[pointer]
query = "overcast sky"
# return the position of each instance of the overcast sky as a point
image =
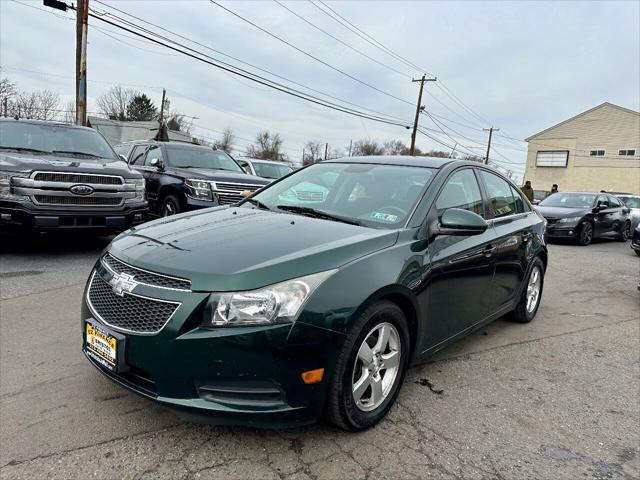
(520, 66)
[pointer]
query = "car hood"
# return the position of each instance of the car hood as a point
(562, 212)
(27, 163)
(220, 176)
(236, 248)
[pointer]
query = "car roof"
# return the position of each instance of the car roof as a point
(261, 160)
(188, 145)
(400, 160)
(45, 122)
(584, 193)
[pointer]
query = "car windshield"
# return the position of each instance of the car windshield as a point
(271, 170)
(61, 140)
(631, 202)
(569, 200)
(200, 157)
(379, 196)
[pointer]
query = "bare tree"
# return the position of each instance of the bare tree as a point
(113, 103)
(38, 105)
(226, 142)
(8, 91)
(268, 146)
(70, 112)
(474, 158)
(395, 147)
(312, 152)
(367, 147)
(437, 153)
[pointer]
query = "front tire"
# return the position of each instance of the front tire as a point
(586, 234)
(170, 206)
(370, 369)
(625, 232)
(529, 302)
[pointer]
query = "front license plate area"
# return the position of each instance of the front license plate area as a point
(105, 346)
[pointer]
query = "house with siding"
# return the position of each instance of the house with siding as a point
(596, 150)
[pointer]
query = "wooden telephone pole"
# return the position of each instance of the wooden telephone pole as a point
(419, 107)
(82, 20)
(490, 130)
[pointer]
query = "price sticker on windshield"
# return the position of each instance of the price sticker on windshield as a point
(384, 217)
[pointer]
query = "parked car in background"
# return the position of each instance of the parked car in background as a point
(275, 312)
(633, 202)
(184, 176)
(539, 195)
(55, 176)
(635, 240)
(265, 168)
(583, 216)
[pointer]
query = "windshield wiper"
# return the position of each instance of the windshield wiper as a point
(23, 149)
(74, 152)
(312, 212)
(258, 203)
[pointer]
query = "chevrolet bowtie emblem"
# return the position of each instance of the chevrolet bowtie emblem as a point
(122, 282)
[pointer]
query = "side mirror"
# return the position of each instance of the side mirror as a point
(456, 221)
(156, 162)
(599, 207)
(123, 158)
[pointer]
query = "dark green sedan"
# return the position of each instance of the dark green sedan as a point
(280, 310)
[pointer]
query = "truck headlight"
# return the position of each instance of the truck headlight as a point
(278, 303)
(140, 192)
(199, 190)
(7, 182)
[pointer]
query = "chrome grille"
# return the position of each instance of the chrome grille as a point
(236, 187)
(130, 313)
(77, 178)
(144, 276)
(93, 201)
(227, 199)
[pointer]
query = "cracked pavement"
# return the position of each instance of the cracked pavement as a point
(557, 398)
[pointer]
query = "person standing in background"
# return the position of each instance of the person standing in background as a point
(527, 190)
(554, 189)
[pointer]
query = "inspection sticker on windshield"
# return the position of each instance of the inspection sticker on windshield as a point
(384, 217)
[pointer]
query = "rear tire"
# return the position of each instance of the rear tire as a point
(625, 232)
(586, 234)
(637, 252)
(363, 391)
(529, 302)
(170, 206)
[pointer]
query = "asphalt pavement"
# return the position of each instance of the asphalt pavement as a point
(556, 398)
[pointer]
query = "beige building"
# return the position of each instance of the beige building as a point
(596, 150)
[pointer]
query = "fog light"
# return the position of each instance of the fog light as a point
(312, 376)
(137, 217)
(570, 232)
(5, 217)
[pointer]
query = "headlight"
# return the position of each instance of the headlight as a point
(279, 303)
(199, 190)
(6, 184)
(140, 195)
(570, 220)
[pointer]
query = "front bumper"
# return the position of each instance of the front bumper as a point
(240, 375)
(558, 230)
(29, 216)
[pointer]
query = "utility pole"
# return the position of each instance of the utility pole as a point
(82, 20)
(303, 156)
(326, 149)
(454, 150)
(164, 92)
(490, 130)
(5, 106)
(419, 108)
(350, 144)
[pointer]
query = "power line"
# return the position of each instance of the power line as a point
(342, 72)
(239, 60)
(340, 41)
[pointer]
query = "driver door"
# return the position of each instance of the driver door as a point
(604, 218)
(462, 267)
(153, 176)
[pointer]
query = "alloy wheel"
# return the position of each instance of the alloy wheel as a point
(586, 234)
(376, 367)
(533, 289)
(168, 209)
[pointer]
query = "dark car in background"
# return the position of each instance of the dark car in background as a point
(635, 240)
(583, 216)
(55, 177)
(539, 195)
(184, 176)
(275, 311)
(265, 168)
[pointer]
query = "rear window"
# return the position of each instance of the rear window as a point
(504, 200)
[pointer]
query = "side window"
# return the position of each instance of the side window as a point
(614, 202)
(122, 149)
(137, 157)
(154, 152)
(461, 191)
(503, 200)
(519, 205)
(603, 200)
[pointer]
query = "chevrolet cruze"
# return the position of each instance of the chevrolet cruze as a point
(276, 311)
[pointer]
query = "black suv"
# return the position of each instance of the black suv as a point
(583, 216)
(185, 176)
(56, 176)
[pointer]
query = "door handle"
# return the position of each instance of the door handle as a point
(488, 250)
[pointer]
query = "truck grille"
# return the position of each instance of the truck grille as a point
(144, 276)
(229, 193)
(77, 178)
(54, 188)
(93, 201)
(131, 313)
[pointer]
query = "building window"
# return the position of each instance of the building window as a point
(627, 152)
(596, 153)
(552, 158)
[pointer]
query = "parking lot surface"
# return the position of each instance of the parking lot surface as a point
(556, 398)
